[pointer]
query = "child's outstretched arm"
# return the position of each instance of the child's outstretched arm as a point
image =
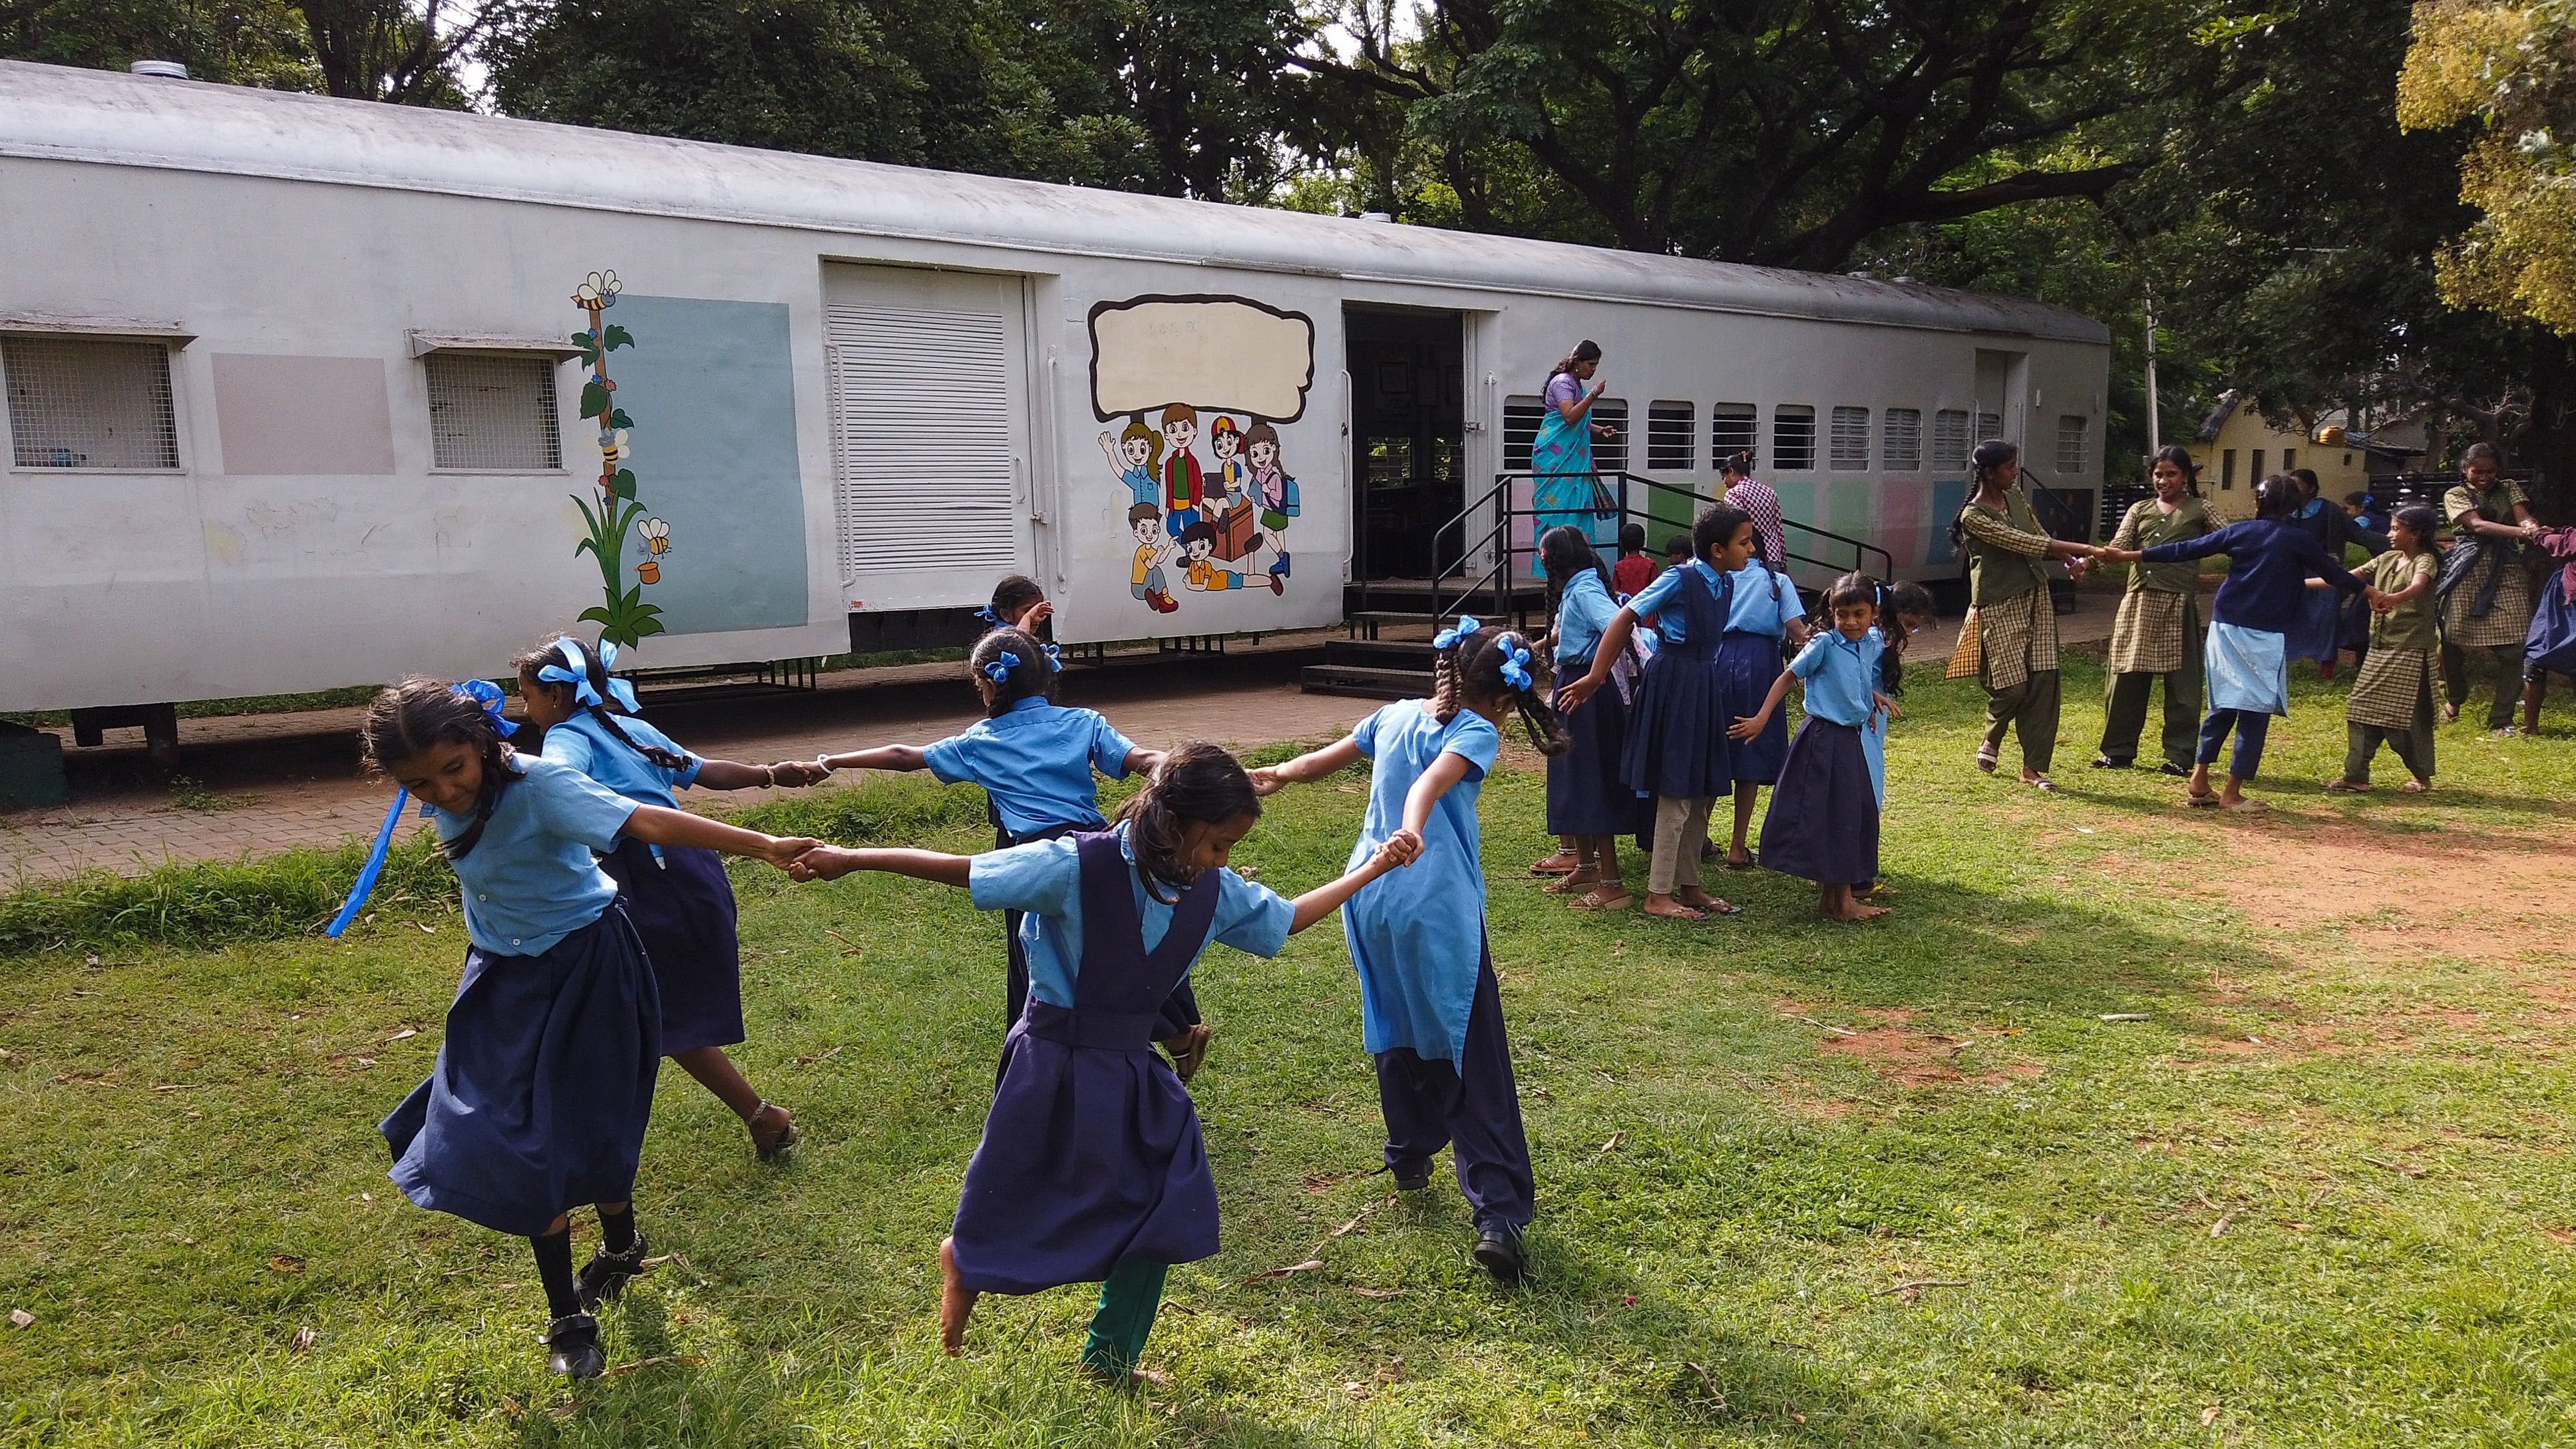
(1320, 903)
(655, 825)
(1744, 728)
(883, 757)
(1881, 704)
(1142, 761)
(1306, 768)
(1614, 642)
(731, 775)
(831, 862)
(1429, 786)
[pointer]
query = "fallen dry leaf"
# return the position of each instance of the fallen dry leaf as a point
(1379, 1292)
(1309, 1266)
(282, 1263)
(406, 1034)
(691, 1360)
(1356, 1390)
(1612, 1145)
(2209, 1416)
(21, 1318)
(426, 928)
(176, 1087)
(304, 1339)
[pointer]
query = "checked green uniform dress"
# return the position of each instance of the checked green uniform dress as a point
(2156, 635)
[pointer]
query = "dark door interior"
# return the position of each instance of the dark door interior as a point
(1408, 436)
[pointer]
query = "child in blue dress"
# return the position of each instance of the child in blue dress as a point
(1764, 621)
(544, 1082)
(678, 899)
(1588, 806)
(1430, 1010)
(1034, 759)
(1678, 750)
(1823, 824)
(1092, 1169)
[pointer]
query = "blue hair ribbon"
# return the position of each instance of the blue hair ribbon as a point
(487, 694)
(1467, 625)
(374, 867)
(991, 619)
(1001, 667)
(1516, 666)
(1054, 655)
(578, 676)
(623, 691)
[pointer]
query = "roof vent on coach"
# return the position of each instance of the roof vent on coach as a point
(1377, 216)
(160, 69)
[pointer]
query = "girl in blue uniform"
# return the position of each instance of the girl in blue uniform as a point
(1678, 750)
(1765, 619)
(1034, 759)
(679, 901)
(1588, 807)
(1823, 824)
(1092, 1168)
(1430, 1011)
(544, 1082)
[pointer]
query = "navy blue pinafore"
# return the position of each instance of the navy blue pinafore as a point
(1092, 1154)
(1677, 742)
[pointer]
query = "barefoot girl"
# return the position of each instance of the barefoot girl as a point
(2392, 695)
(1035, 758)
(1765, 619)
(544, 1082)
(1430, 1010)
(1588, 808)
(678, 899)
(1823, 824)
(1678, 750)
(1092, 1169)
(2009, 641)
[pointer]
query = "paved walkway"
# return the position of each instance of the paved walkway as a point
(266, 783)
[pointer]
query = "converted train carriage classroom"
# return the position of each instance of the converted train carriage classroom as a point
(303, 393)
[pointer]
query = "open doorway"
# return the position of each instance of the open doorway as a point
(1408, 435)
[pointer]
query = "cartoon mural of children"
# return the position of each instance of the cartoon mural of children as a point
(1205, 574)
(1145, 580)
(1225, 440)
(1133, 456)
(1272, 489)
(1184, 485)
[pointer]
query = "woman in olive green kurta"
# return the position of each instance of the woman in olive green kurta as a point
(2490, 610)
(2010, 638)
(2392, 697)
(2157, 632)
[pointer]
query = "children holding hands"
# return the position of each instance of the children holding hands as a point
(1823, 822)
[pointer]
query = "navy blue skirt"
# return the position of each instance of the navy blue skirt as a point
(1677, 743)
(543, 1086)
(683, 910)
(1823, 821)
(2551, 644)
(1091, 1156)
(2315, 634)
(1585, 795)
(1750, 665)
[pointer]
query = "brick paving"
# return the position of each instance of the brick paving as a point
(284, 780)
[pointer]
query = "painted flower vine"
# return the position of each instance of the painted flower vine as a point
(623, 617)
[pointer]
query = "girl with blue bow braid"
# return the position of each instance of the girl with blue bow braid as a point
(679, 900)
(544, 1082)
(1430, 1011)
(1035, 760)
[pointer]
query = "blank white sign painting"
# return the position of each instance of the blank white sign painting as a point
(1214, 353)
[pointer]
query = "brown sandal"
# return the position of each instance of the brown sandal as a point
(770, 1146)
(1568, 884)
(1189, 1050)
(1594, 900)
(1550, 866)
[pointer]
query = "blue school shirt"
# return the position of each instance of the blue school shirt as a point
(1043, 879)
(532, 879)
(1582, 613)
(1841, 676)
(583, 743)
(1753, 610)
(1417, 934)
(1653, 598)
(1143, 486)
(1035, 760)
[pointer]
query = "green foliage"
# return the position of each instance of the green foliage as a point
(215, 903)
(239, 42)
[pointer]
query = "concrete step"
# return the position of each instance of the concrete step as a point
(1365, 681)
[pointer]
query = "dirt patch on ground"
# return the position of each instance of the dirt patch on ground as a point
(1888, 1043)
(2482, 896)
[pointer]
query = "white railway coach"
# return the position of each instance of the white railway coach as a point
(303, 393)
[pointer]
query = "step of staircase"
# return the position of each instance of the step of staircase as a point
(1371, 669)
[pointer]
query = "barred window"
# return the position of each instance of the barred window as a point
(1732, 428)
(1950, 439)
(1521, 417)
(2071, 431)
(493, 413)
(1671, 429)
(1610, 455)
(1793, 438)
(1989, 425)
(1850, 446)
(78, 402)
(1904, 440)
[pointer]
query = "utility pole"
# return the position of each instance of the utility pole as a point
(2155, 426)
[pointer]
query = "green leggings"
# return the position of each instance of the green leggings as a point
(1120, 1325)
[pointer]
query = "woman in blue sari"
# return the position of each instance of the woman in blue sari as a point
(1566, 487)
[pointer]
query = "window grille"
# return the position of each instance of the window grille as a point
(1949, 439)
(1671, 429)
(2227, 468)
(87, 403)
(1793, 438)
(1989, 425)
(490, 413)
(1904, 439)
(1732, 428)
(1850, 443)
(2071, 430)
(1521, 417)
(1610, 455)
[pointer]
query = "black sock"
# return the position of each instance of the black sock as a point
(617, 1230)
(554, 1270)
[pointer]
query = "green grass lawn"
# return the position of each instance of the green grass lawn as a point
(2320, 1196)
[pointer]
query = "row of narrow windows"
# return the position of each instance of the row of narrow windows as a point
(1673, 437)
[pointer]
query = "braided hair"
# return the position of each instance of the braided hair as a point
(1197, 783)
(405, 720)
(1992, 454)
(595, 669)
(1469, 673)
(1017, 667)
